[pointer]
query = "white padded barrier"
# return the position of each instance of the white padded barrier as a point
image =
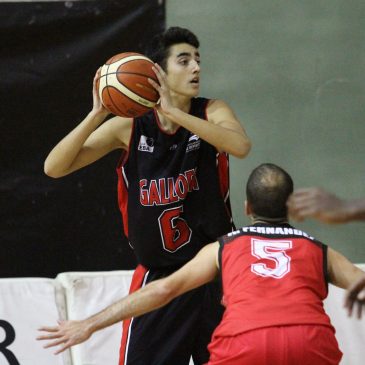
(350, 332)
(28, 303)
(86, 294)
(25, 305)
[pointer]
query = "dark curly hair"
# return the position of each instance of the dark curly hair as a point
(158, 50)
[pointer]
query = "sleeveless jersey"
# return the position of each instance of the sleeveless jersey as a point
(173, 191)
(272, 275)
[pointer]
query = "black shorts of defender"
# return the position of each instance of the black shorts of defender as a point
(176, 332)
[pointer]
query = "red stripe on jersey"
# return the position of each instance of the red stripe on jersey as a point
(123, 193)
(223, 174)
(138, 280)
(122, 186)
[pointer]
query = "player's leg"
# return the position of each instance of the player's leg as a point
(164, 336)
(138, 280)
(211, 312)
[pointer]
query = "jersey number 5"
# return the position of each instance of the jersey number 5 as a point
(273, 251)
(174, 230)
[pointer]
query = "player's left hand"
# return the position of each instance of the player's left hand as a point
(165, 102)
(355, 296)
(66, 334)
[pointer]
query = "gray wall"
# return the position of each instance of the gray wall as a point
(293, 71)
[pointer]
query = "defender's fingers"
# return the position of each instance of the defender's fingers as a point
(54, 343)
(48, 329)
(49, 336)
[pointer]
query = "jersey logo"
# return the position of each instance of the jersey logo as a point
(193, 137)
(146, 144)
(167, 190)
(193, 143)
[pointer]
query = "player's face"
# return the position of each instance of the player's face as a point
(183, 70)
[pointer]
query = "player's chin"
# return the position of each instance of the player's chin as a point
(193, 91)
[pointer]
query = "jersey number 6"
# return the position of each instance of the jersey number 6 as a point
(175, 232)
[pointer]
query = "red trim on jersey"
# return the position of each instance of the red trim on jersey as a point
(223, 172)
(137, 282)
(223, 175)
(122, 186)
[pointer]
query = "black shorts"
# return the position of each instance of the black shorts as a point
(174, 333)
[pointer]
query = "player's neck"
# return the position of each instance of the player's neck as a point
(166, 124)
(257, 219)
(180, 103)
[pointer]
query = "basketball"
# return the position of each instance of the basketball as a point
(123, 85)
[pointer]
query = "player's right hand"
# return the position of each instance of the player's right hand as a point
(97, 104)
(66, 334)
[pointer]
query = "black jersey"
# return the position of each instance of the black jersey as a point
(173, 191)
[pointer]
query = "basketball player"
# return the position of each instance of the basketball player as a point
(324, 206)
(274, 281)
(173, 177)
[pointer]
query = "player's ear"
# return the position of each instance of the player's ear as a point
(248, 210)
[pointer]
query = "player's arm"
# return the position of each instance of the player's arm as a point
(89, 141)
(223, 130)
(200, 270)
(345, 275)
(324, 206)
(342, 272)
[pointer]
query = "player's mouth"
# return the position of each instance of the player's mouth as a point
(195, 81)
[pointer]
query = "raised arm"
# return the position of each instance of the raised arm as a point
(326, 207)
(89, 141)
(200, 270)
(223, 130)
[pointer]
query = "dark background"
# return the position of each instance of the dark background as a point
(49, 55)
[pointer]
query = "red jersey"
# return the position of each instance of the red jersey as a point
(272, 275)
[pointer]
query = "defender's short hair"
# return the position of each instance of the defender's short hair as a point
(268, 189)
(158, 51)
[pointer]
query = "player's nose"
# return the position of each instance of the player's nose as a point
(195, 66)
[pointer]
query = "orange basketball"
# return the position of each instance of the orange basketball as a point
(123, 85)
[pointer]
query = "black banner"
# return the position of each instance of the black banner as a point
(49, 54)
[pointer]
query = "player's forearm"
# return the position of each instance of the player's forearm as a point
(345, 278)
(233, 142)
(62, 156)
(152, 296)
(342, 272)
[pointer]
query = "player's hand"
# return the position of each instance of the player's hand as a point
(66, 334)
(165, 103)
(319, 204)
(355, 297)
(97, 104)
